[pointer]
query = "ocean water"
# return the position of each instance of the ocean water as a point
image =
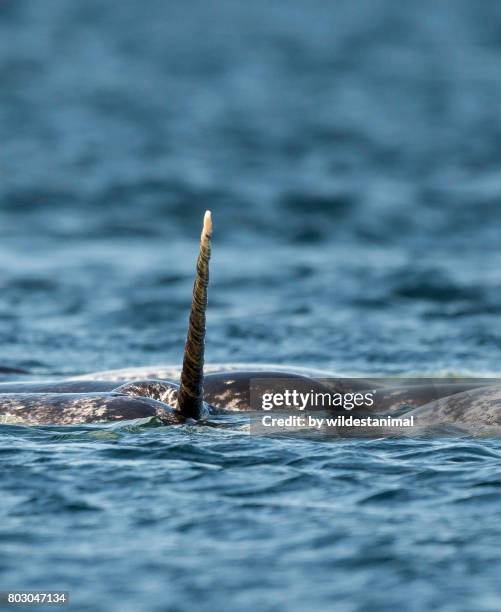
(350, 155)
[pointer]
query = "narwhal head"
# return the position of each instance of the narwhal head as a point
(190, 397)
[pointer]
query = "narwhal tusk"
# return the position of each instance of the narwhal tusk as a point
(190, 397)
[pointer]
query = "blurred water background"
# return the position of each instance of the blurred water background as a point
(350, 154)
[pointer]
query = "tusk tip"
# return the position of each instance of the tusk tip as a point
(207, 223)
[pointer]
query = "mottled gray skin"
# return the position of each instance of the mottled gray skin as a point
(475, 408)
(85, 401)
(79, 401)
(76, 402)
(80, 408)
(97, 401)
(390, 399)
(230, 391)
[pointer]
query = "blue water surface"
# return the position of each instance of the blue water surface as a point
(350, 154)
